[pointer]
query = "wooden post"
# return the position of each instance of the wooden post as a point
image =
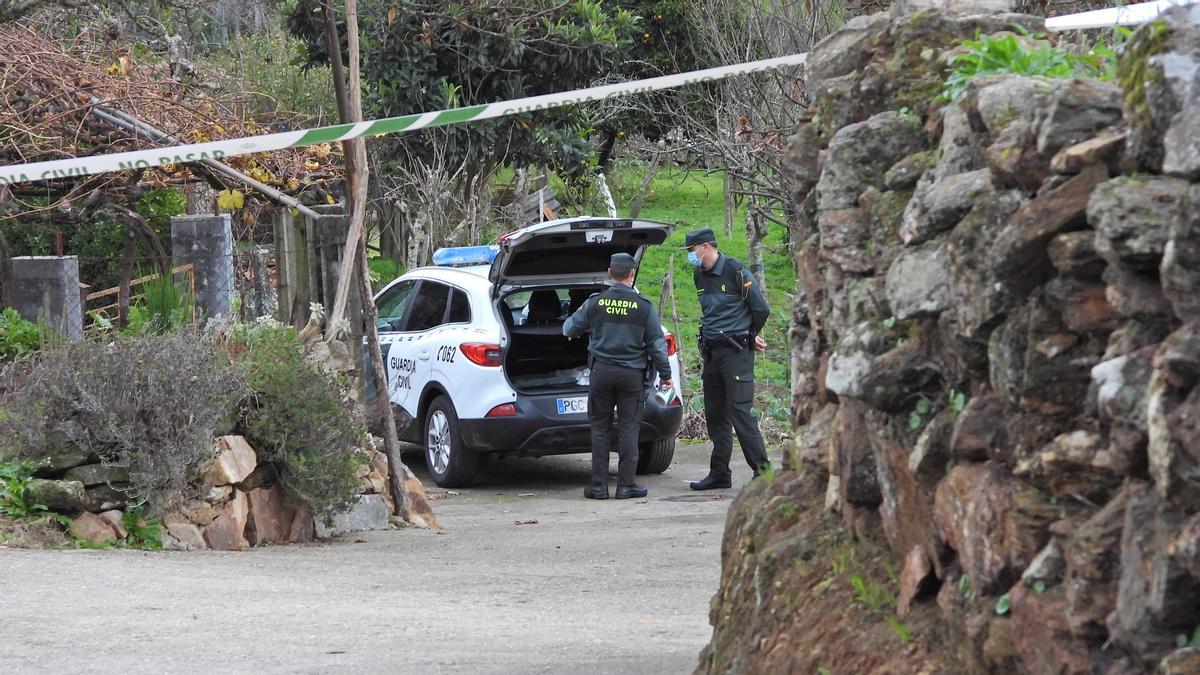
(291, 268)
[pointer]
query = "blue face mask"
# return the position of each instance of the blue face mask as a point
(694, 258)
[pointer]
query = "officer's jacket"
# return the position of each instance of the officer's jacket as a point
(624, 329)
(730, 300)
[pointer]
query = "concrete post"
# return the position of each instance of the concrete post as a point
(47, 288)
(207, 243)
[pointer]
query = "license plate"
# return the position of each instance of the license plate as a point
(571, 406)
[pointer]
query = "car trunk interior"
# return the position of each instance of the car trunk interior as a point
(539, 357)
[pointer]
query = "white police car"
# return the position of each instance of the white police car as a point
(476, 359)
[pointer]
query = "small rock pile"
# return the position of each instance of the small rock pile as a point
(240, 503)
(997, 344)
(244, 505)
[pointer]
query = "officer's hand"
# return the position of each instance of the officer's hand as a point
(760, 345)
(666, 384)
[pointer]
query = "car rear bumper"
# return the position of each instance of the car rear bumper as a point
(538, 429)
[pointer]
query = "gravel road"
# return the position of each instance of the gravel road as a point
(588, 587)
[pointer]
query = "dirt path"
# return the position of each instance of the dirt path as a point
(616, 586)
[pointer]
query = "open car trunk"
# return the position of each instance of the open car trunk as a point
(538, 357)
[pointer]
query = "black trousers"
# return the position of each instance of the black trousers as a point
(728, 395)
(615, 387)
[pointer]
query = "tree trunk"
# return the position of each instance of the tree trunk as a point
(407, 492)
(727, 200)
(651, 172)
(756, 232)
(606, 151)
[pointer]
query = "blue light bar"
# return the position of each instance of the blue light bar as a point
(457, 256)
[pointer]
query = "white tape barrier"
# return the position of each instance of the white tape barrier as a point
(1129, 15)
(157, 157)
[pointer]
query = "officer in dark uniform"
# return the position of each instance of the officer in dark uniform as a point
(733, 312)
(624, 333)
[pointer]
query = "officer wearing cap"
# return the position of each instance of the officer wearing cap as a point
(733, 311)
(623, 333)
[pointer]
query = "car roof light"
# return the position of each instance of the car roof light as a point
(456, 256)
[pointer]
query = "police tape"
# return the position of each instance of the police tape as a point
(216, 150)
(1128, 15)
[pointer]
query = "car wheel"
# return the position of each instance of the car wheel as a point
(450, 464)
(656, 456)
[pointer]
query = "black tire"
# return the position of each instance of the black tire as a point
(449, 462)
(656, 456)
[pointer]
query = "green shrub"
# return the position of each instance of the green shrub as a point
(149, 404)
(15, 501)
(298, 417)
(142, 531)
(1030, 55)
(18, 337)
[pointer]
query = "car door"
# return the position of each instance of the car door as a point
(392, 304)
(417, 344)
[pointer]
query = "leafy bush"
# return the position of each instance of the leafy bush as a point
(297, 416)
(142, 531)
(18, 337)
(15, 501)
(1028, 54)
(150, 405)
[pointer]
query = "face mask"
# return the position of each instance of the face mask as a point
(694, 258)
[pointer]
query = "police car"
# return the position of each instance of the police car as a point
(476, 359)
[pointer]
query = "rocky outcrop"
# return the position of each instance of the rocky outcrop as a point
(998, 345)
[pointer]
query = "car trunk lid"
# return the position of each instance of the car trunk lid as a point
(572, 250)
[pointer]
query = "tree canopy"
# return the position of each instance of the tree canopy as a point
(438, 54)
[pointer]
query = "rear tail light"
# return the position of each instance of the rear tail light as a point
(503, 410)
(672, 345)
(481, 353)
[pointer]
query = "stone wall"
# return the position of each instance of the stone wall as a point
(996, 346)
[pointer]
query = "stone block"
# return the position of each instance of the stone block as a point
(107, 497)
(860, 154)
(189, 536)
(938, 204)
(63, 496)
(227, 531)
(915, 579)
(114, 518)
(918, 282)
(1133, 216)
(92, 528)
(303, 528)
(969, 510)
(369, 513)
(97, 474)
(235, 461)
(270, 518)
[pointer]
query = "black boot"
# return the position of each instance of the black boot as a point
(711, 482)
(597, 491)
(631, 491)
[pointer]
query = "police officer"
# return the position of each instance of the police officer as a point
(624, 332)
(733, 312)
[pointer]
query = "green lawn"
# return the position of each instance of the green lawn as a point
(691, 201)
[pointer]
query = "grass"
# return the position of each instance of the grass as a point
(692, 200)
